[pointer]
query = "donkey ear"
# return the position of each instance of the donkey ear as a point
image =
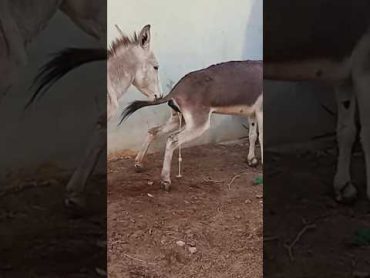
(144, 37)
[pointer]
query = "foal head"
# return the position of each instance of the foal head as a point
(139, 60)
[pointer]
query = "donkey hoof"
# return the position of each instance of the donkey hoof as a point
(252, 162)
(347, 195)
(166, 185)
(74, 201)
(139, 167)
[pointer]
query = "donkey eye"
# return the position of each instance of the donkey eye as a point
(156, 67)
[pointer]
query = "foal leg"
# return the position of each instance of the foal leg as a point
(97, 145)
(195, 127)
(171, 125)
(259, 116)
(363, 96)
(346, 136)
(252, 160)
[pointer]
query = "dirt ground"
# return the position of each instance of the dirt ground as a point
(297, 194)
(219, 225)
(40, 238)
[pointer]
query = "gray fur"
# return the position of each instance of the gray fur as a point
(228, 88)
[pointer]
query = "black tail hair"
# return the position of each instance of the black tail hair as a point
(136, 105)
(61, 63)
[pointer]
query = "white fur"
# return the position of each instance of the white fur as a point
(131, 65)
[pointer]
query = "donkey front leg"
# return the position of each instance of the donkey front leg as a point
(252, 160)
(346, 135)
(76, 184)
(171, 125)
(193, 129)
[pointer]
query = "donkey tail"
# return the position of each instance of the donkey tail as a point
(61, 63)
(138, 104)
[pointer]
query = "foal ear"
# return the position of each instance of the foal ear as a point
(119, 30)
(144, 37)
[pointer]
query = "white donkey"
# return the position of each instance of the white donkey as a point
(233, 88)
(22, 21)
(130, 62)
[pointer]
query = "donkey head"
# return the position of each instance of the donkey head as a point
(146, 78)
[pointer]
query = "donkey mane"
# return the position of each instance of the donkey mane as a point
(122, 41)
(226, 64)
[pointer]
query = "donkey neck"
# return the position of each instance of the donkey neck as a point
(122, 67)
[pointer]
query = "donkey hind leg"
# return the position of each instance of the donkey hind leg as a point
(153, 133)
(252, 160)
(76, 184)
(361, 80)
(363, 96)
(346, 136)
(194, 128)
(259, 116)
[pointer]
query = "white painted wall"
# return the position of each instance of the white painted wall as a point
(186, 36)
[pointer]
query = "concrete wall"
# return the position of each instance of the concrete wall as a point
(186, 36)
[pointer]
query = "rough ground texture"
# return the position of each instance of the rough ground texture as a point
(40, 238)
(223, 222)
(298, 192)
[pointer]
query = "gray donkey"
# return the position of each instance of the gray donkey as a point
(326, 41)
(233, 88)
